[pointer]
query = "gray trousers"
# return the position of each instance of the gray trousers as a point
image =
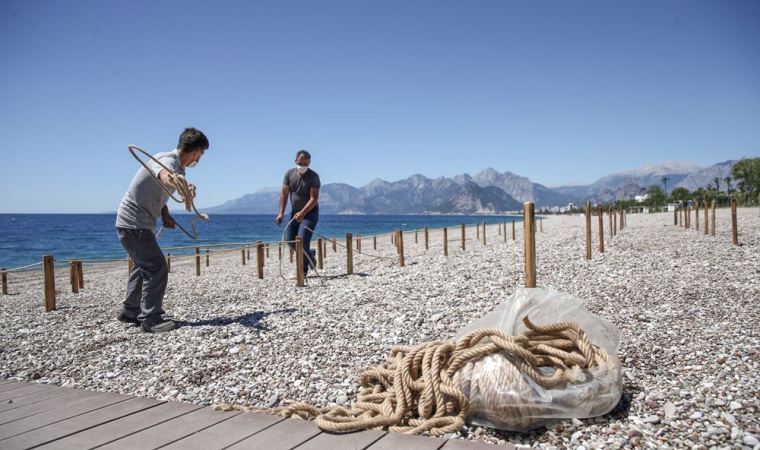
(147, 281)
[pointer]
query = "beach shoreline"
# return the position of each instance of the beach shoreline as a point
(686, 305)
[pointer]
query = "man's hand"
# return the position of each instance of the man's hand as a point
(278, 219)
(299, 216)
(168, 221)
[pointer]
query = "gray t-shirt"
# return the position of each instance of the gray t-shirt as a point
(299, 187)
(142, 203)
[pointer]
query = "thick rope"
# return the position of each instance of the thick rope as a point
(419, 389)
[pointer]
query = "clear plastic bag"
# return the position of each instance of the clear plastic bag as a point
(504, 398)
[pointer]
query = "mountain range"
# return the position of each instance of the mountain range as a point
(487, 192)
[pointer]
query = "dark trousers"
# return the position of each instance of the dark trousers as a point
(147, 281)
(300, 229)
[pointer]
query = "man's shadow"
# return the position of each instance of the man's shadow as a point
(252, 320)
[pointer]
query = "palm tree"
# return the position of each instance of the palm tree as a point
(728, 184)
(665, 184)
(717, 183)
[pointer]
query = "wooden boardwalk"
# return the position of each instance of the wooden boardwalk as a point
(46, 416)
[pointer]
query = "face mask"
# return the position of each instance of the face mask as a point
(302, 169)
(192, 164)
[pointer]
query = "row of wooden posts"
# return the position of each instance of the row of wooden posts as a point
(262, 252)
(682, 218)
(613, 225)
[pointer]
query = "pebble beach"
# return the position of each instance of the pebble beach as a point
(685, 303)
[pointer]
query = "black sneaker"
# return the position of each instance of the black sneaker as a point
(123, 317)
(159, 326)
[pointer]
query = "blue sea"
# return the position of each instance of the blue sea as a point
(25, 238)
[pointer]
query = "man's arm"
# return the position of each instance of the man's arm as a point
(313, 198)
(167, 218)
(283, 202)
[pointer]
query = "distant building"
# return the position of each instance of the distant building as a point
(670, 207)
(638, 210)
(641, 198)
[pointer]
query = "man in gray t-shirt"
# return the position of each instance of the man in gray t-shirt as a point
(303, 185)
(136, 217)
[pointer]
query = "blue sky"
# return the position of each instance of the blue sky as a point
(558, 91)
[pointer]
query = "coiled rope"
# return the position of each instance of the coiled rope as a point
(419, 390)
(185, 190)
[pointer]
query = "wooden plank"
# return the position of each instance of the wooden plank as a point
(34, 398)
(462, 444)
(172, 430)
(225, 433)
(22, 391)
(48, 404)
(124, 426)
(14, 385)
(78, 422)
(83, 404)
(281, 436)
(346, 441)
(394, 441)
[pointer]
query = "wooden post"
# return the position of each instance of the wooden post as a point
(484, 233)
(320, 249)
(242, 254)
(335, 245)
(47, 264)
(207, 257)
(74, 277)
(477, 230)
(279, 251)
(696, 216)
(614, 224)
(529, 226)
(499, 229)
(169, 262)
(426, 239)
(324, 250)
(541, 224)
(445, 242)
(248, 253)
(80, 274)
(609, 216)
(463, 236)
(600, 218)
(588, 230)
(415, 236)
(513, 229)
(401, 247)
(504, 228)
(349, 255)
(374, 242)
(4, 276)
(299, 262)
(260, 259)
(675, 216)
(688, 217)
(734, 226)
(713, 218)
(707, 222)
(359, 244)
(197, 261)
(266, 247)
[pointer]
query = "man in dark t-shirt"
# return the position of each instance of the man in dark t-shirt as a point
(303, 185)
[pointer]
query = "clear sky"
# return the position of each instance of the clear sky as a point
(558, 91)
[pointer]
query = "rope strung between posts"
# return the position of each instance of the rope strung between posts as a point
(417, 390)
(179, 182)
